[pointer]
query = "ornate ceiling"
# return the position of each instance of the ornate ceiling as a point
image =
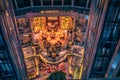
(52, 43)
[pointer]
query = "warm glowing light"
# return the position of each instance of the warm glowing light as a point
(51, 31)
(55, 47)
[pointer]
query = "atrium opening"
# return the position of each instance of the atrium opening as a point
(59, 40)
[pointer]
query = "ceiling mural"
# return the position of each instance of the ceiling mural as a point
(51, 44)
(51, 35)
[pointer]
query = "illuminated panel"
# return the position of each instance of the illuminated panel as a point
(38, 24)
(66, 22)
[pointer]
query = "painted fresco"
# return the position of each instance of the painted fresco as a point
(51, 44)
